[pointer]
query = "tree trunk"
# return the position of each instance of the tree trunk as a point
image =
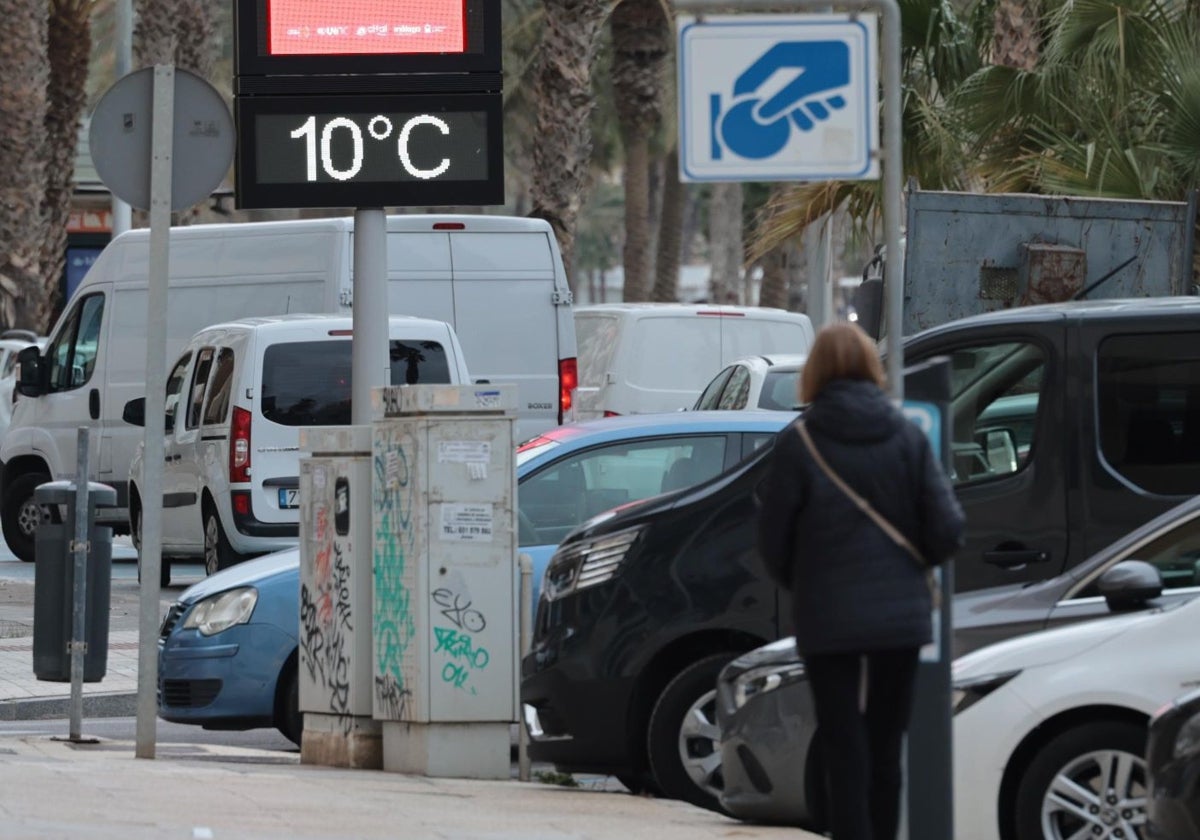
(774, 289)
(69, 46)
(24, 79)
(725, 242)
(670, 230)
(1016, 43)
(640, 44)
(636, 252)
(563, 81)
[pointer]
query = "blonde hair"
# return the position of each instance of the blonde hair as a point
(841, 351)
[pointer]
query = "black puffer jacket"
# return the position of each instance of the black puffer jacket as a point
(853, 589)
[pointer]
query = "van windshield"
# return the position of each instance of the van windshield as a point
(307, 383)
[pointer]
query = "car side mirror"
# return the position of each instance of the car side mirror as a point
(1130, 585)
(134, 412)
(30, 379)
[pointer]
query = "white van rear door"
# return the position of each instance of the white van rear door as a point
(597, 335)
(418, 266)
(506, 317)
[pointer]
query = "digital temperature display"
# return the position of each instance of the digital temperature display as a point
(370, 151)
(366, 27)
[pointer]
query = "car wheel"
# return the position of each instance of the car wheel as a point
(135, 529)
(1087, 782)
(21, 515)
(290, 722)
(682, 740)
(218, 554)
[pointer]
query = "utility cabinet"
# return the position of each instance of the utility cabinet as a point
(444, 509)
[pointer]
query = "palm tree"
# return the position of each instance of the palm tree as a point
(571, 35)
(641, 42)
(23, 82)
(670, 231)
(68, 47)
(1112, 109)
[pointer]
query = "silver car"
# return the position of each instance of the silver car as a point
(770, 757)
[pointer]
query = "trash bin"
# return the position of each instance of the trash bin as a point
(54, 585)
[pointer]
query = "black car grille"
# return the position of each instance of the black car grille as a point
(174, 613)
(189, 694)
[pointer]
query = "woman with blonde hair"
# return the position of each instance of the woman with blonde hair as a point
(854, 510)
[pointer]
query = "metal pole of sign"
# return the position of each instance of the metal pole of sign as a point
(123, 49)
(150, 555)
(525, 605)
(370, 365)
(892, 162)
(79, 547)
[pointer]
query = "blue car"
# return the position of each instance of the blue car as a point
(228, 650)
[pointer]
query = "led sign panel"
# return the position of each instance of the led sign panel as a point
(370, 151)
(356, 27)
(289, 37)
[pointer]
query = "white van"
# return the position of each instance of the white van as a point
(636, 358)
(236, 399)
(498, 280)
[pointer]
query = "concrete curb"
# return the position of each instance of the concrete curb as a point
(51, 708)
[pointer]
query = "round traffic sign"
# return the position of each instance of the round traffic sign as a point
(120, 139)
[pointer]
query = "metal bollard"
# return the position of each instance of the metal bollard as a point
(525, 608)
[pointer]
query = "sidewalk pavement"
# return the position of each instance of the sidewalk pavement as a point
(24, 697)
(56, 790)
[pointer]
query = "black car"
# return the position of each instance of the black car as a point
(1173, 766)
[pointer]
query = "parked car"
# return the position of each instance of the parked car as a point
(637, 358)
(766, 381)
(1049, 729)
(643, 645)
(564, 477)
(1173, 770)
(236, 399)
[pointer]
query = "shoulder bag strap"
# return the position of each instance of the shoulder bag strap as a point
(862, 504)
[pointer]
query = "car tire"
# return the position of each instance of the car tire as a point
(290, 722)
(135, 529)
(682, 736)
(218, 554)
(20, 516)
(1087, 757)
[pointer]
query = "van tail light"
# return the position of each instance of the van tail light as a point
(612, 414)
(568, 381)
(239, 446)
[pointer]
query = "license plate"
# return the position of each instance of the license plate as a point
(289, 498)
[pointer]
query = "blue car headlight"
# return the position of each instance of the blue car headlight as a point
(969, 691)
(764, 679)
(1187, 742)
(586, 563)
(222, 611)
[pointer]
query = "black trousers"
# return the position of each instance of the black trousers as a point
(862, 746)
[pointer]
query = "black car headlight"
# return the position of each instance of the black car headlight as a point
(222, 611)
(970, 690)
(764, 679)
(586, 563)
(1187, 741)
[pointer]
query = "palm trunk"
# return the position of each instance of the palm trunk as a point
(562, 155)
(69, 45)
(774, 289)
(670, 231)
(23, 82)
(725, 238)
(636, 252)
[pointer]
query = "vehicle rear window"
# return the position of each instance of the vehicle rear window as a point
(307, 383)
(755, 336)
(676, 354)
(780, 390)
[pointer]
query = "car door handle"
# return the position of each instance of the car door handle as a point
(1014, 558)
(94, 404)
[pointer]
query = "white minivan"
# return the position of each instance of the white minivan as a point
(498, 280)
(236, 399)
(636, 358)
